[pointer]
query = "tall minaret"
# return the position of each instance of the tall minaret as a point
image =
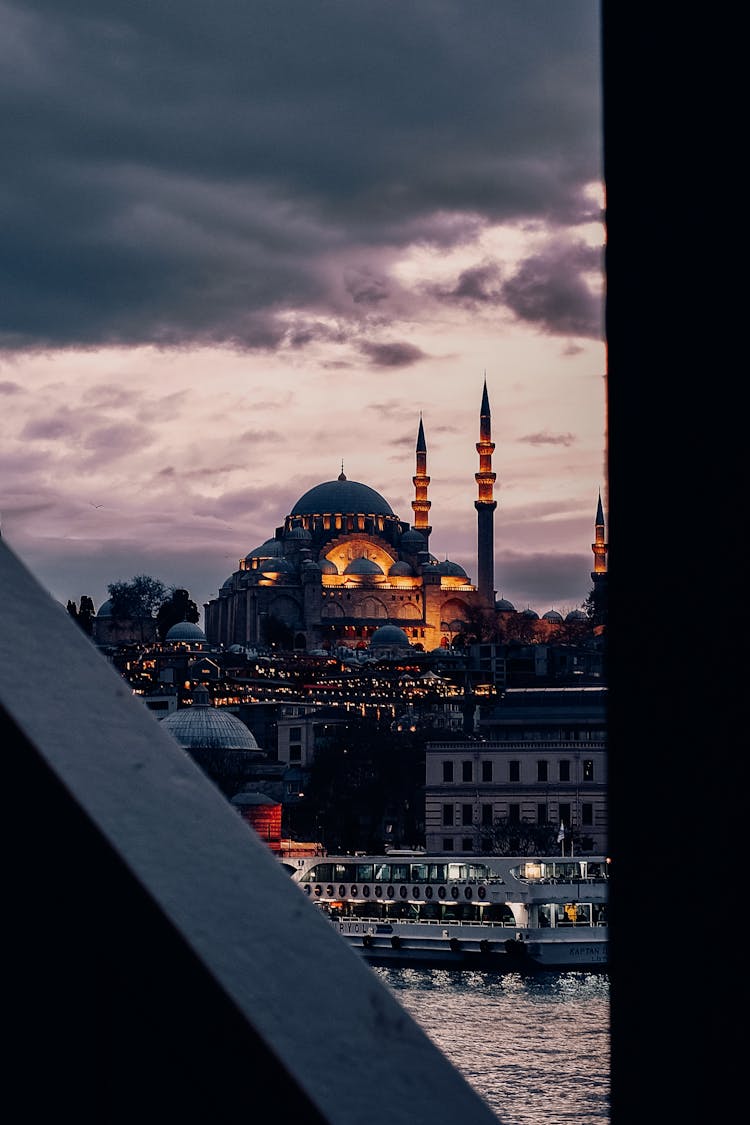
(420, 504)
(485, 505)
(599, 573)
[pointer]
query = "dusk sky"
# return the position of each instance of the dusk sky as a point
(247, 241)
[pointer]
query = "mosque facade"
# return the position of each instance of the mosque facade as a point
(344, 565)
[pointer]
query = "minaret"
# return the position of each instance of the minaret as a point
(420, 504)
(485, 505)
(599, 573)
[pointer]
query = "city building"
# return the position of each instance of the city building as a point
(539, 758)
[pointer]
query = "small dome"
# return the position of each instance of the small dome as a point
(328, 567)
(363, 566)
(388, 635)
(186, 631)
(229, 583)
(553, 616)
(344, 497)
(451, 569)
(575, 615)
(300, 533)
(249, 800)
(531, 614)
(105, 609)
(502, 605)
(203, 727)
(401, 569)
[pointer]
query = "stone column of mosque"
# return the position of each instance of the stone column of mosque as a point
(420, 504)
(485, 505)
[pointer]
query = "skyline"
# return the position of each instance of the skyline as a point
(246, 247)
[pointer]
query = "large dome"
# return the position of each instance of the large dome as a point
(388, 635)
(202, 727)
(186, 631)
(342, 496)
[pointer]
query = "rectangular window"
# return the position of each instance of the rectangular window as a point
(588, 769)
(486, 771)
(564, 770)
(514, 771)
(295, 753)
(587, 813)
(541, 771)
(486, 844)
(447, 771)
(514, 814)
(466, 844)
(466, 771)
(467, 814)
(447, 816)
(542, 816)
(448, 844)
(295, 734)
(487, 815)
(564, 815)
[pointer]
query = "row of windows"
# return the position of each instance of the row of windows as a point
(464, 814)
(543, 772)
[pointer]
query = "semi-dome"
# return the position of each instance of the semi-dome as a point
(553, 616)
(203, 727)
(401, 569)
(363, 566)
(186, 631)
(387, 636)
(502, 605)
(327, 566)
(341, 496)
(277, 566)
(298, 533)
(271, 549)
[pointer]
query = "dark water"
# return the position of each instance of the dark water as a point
(535, 1048)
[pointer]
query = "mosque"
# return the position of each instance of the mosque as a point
(344, 567)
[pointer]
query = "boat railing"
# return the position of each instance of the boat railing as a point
(442, 922)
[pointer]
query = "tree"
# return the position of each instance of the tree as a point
(178, 607)
(137, 600)
(519, 838)
(83, 615)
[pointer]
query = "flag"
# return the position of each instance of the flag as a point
(561, 833)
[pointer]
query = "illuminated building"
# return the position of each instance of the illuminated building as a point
(344, 564)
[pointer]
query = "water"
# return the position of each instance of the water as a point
(536, 1048)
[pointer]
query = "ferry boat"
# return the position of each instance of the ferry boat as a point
(493, 912)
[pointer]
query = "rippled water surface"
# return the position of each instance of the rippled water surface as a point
(535, 1048)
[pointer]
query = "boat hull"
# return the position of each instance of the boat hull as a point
(473, 947)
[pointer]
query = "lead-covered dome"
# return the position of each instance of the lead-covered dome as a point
(388, 636)
(553, 617)
(186, 631)
(341, 496)
(363, 566)
(203, 727)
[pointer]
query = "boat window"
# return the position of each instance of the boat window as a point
(343, 872)
(437, 873)
(400, 873)
(419, 872)
(382, 872)
(364, 873)
(320, 873)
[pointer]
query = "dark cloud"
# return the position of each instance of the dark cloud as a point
(478, 285)
(545, 438)
(8, 388)
(391, 355)
(551, 290)
(183, 174)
